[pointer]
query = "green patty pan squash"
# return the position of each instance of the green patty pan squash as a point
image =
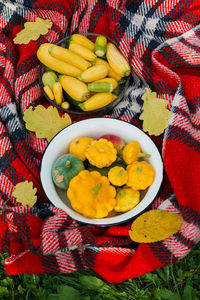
(65, 168)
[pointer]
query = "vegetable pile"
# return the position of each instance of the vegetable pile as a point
(103, 177)
(87, 75)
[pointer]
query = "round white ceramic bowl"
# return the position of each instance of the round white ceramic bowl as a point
(94, 128)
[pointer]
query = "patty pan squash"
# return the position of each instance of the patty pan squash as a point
(127, 199)
(91, 194)
(118, 176)
(78, 146)
(140, 175)
(64, 169)
(101, 153)
(132, 152)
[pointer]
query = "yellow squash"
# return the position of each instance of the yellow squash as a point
(97, 101)
(94, 73)
(82, 40)
(118, 176)
(58, 92)
(68, 56)
(100, 45)
(101, 153)
(79, 145)
(127, 199)
(117, 61)
(110, 80)
(113, 74)
(55, 64)
(99, 87)
(140, 175)
(132, 152)
(83, 51)
(91, 194)
(100, 61)
(49, 92)
(75, 88)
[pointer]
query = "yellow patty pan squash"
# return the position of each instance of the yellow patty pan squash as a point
(101, 153)
(118, 176)
(140, 175)
(127, 199)
(91, 194)
(78, 146)
(132, 152)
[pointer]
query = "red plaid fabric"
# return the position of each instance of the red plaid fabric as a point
(161, 40)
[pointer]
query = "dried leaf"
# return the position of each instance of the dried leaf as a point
(155, 115)
(32, 31)
(25, 193)
(45, 122)
(154, 225)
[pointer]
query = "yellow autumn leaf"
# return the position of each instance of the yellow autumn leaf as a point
(155, 114)
(25, 193)
(32, 31)
(154, 225)
(45, 122)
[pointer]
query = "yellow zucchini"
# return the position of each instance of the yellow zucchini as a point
(113, 74)
(58, 92)
(113, 81)
(82, 51)
(75, 88)
(48, 92)
(55, 64)
(97, 101)
(99, 87)
(94, 73)
(101, 61)
(100, 45)
(68, 56)
(82, 40)
(117, 61)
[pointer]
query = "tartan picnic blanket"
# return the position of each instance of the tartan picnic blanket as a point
(161, 40)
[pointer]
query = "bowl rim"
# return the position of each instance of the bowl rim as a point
(112, 220)
(75, 112)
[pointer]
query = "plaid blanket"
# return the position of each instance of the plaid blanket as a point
(161, 40)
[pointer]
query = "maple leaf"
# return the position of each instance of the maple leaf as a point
(155, 115)
(32, 31)
(154, 225)
(45, 122)
(25, 193)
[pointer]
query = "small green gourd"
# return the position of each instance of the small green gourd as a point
(64, 169)
(49, 78)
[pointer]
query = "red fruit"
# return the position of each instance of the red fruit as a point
(117, 142)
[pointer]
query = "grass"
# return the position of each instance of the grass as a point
(174, 282)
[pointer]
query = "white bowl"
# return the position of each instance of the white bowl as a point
(94, 128)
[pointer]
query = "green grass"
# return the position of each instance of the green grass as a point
(176, 281)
